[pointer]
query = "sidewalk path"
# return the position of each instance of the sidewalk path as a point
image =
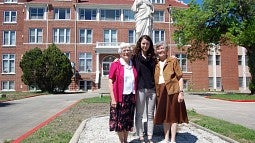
(96, 130)
(20, 116)
(241, 113)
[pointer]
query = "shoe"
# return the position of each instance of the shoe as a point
(150, 141)
(142, 141)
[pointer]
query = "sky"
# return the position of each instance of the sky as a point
(198, 1)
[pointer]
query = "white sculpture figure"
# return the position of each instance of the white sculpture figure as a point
(143, 17)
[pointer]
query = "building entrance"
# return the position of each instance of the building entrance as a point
(106, 65)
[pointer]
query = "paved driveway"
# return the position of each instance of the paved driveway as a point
(20, 116)
(235, 112)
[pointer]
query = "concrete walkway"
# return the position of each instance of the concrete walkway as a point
(235, 112)
(20, 116)
(96, 130)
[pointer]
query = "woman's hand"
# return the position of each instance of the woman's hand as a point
(113, 103)
(181, 97)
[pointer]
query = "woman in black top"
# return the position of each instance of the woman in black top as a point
(144, 62)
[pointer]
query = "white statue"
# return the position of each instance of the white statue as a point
(143, 17)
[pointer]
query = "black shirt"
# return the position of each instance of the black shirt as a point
(145, 69)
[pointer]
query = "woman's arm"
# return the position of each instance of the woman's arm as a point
(181, 93)
(113, 101)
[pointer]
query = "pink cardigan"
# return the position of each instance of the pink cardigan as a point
(116, 73)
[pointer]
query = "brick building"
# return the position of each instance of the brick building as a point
(89, 33)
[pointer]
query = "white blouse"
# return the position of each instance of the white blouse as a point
(161, 67)
(129, 79)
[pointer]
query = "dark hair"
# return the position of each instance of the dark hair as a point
(150, 53)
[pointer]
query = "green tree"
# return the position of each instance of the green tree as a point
(29, 66)
(220, 22)
(51, 69)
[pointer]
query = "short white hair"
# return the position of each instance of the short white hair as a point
(161, 43)
(123, 45)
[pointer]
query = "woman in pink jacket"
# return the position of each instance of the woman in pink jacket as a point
(122, 86)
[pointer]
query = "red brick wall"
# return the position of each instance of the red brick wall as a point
(229, 68)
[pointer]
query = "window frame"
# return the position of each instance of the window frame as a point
(161, 36)
(183, 61)
(10, 40)
(86, 58)
(105, 14)
(131, 36)
(8, 82)
(37, 15)
(93, 14)
(10, 1)
(128, 15)
(66, 36)
(113, 37)
(158, 1)
(59, 15)
(159, 16)
(10, 64)
(10, 17)
(88, 38)
(38, 38)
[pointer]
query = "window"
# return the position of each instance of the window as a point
(110, 36)
(61, 36)
(158, 35)
(8, 63)
(241, 81)
(35, 36)
(9, 38)
(85, 85)
(182, 61)
(87, 14)
(128, 15)
(248, 80)
(217, 59)
(131, 36)
(10, 16)
(210, 59)
(7, 85)
(85, 62)
(158, 1)
(158, 16)
(62, 13)
(218, 82)
(85, 36)
(67, 55)
(239, 59)
(113, 15)
(36, 12)
(10, 1)
(210, 82)
(246, 60)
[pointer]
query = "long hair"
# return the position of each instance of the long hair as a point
(150, 53)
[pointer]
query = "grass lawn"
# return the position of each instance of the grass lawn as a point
(18, 95)
(239, 97)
